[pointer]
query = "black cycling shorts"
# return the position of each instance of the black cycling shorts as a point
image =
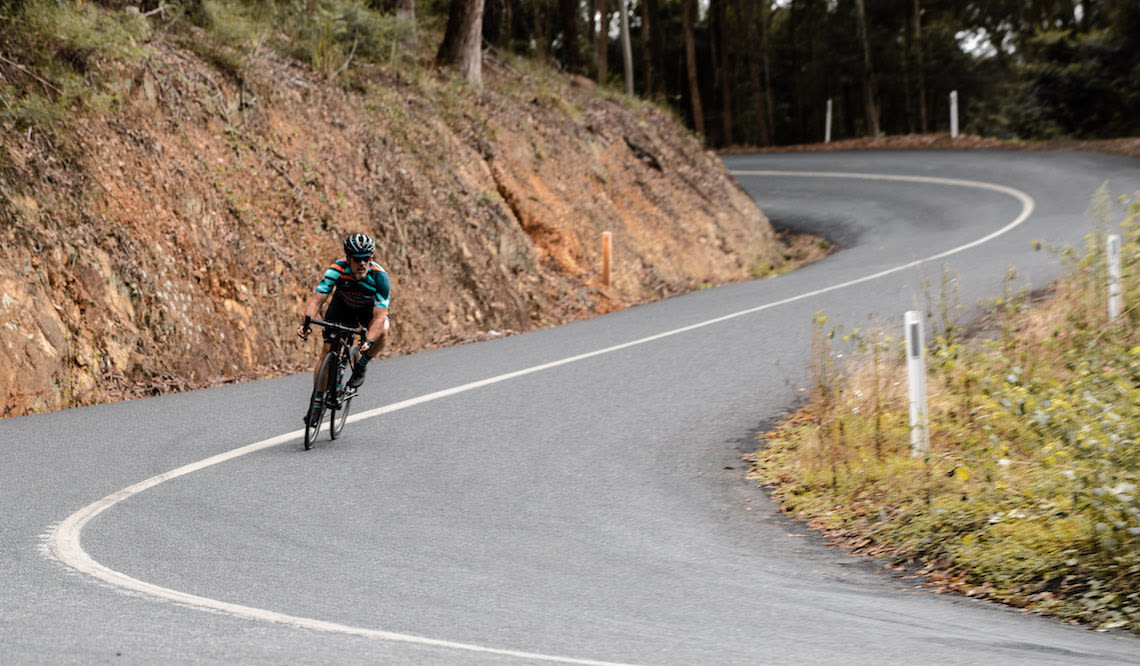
(339, 312)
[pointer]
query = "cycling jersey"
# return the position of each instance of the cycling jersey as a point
(368, 292)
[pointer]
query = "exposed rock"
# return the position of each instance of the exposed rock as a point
(171, 244)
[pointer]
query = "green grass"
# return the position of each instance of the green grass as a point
(1030, 493)
(61, 56)
(54, 53)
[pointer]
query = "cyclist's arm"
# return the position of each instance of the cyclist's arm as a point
(377, 330)
(377, 333)
(313, 307)
(312, 311)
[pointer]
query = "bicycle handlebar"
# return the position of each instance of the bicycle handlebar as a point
(359, 330)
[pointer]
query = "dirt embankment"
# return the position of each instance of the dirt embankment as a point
(171, 243)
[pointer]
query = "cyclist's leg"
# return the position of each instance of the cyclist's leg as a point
(380, 342)
(363, 317)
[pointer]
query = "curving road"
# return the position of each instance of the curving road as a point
(572, 495)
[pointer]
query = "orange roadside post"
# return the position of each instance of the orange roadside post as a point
(607, 249)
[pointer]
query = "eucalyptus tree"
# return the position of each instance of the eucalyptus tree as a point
(870, 94)
(919, 60)
(462, 45)
(690, 11)
(654, 47)
(759, 80)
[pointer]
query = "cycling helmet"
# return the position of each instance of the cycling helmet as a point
(359, 246)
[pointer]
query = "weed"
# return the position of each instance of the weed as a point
(57, 56)
(329, 34)
(1031, 491)
(760, 269)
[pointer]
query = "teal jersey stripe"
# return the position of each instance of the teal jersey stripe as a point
(373, 290)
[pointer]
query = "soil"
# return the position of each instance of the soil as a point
(170, 243)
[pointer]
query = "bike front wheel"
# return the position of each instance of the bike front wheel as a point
(313, 424)
(340, 414)
(343, 395)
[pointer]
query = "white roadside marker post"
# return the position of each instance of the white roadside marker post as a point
(954, 114)
(827, 124)
(1115, 293)
(916, 377)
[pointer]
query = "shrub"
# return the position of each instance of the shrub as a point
(1030, 492)
(57, 54)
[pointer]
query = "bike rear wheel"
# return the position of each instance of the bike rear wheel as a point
(313, 425)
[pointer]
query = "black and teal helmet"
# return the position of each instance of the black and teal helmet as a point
(359, 246)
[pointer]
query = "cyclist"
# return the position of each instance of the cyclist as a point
(359, 288)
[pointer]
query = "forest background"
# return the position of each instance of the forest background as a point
(760, 72)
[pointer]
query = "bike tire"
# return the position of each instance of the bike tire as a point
(340, 415)
(333, 394)
(313, 426)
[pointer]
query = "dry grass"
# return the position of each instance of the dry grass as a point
(1129, 146)
(1030, 491)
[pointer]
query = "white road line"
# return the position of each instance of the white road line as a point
(64, 540)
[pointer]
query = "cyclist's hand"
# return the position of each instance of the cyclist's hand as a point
(304, 331)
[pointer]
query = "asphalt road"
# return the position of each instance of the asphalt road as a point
(573, 495)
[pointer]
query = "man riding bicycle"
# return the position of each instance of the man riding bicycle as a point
(359, 288)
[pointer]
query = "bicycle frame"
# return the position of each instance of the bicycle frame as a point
(328, 380)
(341, 339)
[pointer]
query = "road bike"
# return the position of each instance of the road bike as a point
(331, 389)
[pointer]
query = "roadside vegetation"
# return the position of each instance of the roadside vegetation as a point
(1030, 491)
(60, 58)
(739, 74)
(51, 55)
(252, 135)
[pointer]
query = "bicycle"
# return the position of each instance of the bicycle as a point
(334, 394)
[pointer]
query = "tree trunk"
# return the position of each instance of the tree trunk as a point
(538, 32)
(509, 23)
(869, 103)
(462, 44)
(406, 16)
(569, 15)
(496, 22)
(626, 46)
(603, 40)
(766, 49)
(755, 46)
(719, 11)
(655, 72)
(919, 60)
(691, 61)
(908, 96)
(647, 57)
(806, 53)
